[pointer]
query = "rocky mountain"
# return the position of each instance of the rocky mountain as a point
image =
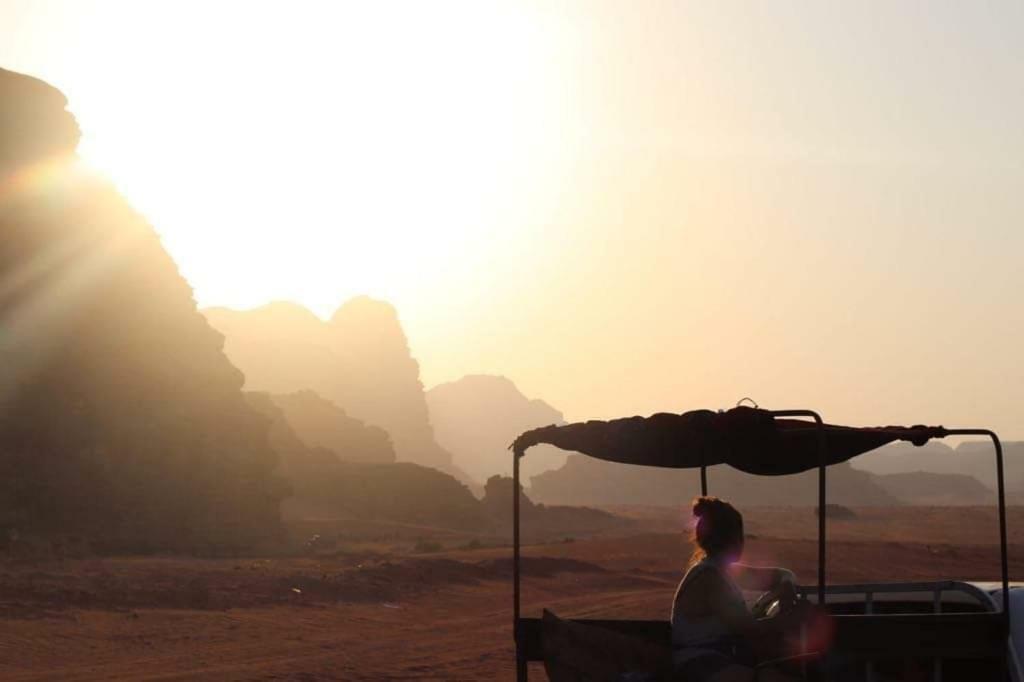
(358, 360)
(121, 419)
(478, 416)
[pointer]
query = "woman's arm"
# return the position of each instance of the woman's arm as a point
(760, 578)
(734, 613)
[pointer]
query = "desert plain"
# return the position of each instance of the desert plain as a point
(370, 601)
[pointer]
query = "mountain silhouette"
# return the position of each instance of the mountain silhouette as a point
(478, 416)
(120, 416)
(359, 360)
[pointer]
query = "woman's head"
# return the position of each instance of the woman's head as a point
(718, 533)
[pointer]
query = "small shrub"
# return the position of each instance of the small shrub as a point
(426, 546)
(837, 511)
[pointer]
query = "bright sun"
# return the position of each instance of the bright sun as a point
(322, 153)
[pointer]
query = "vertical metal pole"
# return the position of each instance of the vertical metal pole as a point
(1001, 490)
(1001, 497)
(521, 672)
(937, 664)
(869, 608)
(821, 512)
(1003, 550)
(822, 455)
(703, 481)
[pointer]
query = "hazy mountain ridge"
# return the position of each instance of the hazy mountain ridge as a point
(588, 481)
(359, 360)
(936, 489)
(975, 459)
(323, 486)
(478, 416)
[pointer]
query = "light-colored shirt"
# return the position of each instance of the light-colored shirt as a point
(692, 637)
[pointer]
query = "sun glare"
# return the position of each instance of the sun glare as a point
(319, 163)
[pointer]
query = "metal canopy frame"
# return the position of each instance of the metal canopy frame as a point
(521, 661)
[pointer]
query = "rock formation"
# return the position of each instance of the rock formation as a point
(120, 416)
(359, 360)
(478, 416)
(380, 380)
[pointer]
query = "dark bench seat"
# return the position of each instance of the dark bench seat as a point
(879, 637)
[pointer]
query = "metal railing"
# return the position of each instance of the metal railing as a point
(937, 589)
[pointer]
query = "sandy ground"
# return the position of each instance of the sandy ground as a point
(376, 610)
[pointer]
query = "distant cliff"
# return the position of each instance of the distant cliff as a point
(478, 416)
(359, 360)
(121, 419)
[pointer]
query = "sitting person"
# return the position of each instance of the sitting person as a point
(715, 638)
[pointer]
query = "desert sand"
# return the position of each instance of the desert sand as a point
(370, 603)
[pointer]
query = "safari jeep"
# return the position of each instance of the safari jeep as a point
(945, 631)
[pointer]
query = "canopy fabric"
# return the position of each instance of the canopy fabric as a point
(749, 439)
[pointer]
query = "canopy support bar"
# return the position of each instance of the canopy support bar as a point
(822, 454)
(1001, 500)
(521, 673)
(703, 481)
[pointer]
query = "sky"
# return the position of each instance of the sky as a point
(623, 207)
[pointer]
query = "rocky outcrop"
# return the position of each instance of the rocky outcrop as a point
(120, 416)
(359, 360)
(478, 416)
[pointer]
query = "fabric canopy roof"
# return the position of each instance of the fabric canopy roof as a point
(749, 439)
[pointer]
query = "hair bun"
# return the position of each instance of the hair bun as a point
(702, 506)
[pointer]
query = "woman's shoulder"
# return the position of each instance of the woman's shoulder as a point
(706, 575)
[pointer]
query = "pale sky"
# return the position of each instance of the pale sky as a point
(624, 207)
